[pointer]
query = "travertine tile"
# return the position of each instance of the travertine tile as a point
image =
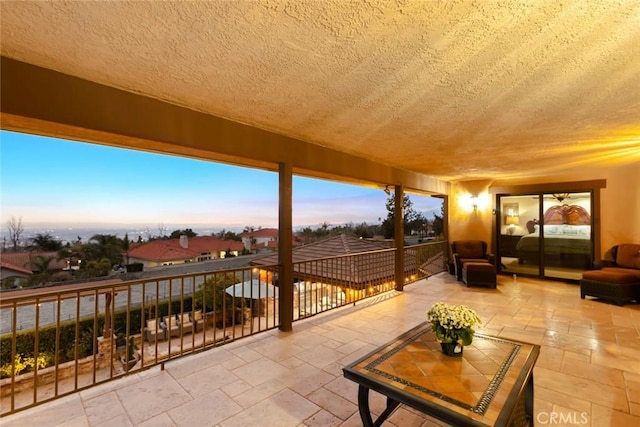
(590, 371)
(604, 416)
(592, 391)
(103, 408)
(283, 409)
(208, 410)
(147, 399)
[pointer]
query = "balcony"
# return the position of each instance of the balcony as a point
(588, 368)
(89, 334)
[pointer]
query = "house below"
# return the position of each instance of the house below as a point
(260, 240)
(14, 274)
(183, 250)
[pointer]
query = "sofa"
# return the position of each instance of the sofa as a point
(154, 331)
(617, 280)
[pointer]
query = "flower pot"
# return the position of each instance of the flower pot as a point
(452, 349)
(128, 364)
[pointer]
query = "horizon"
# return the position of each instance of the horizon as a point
(51, 183)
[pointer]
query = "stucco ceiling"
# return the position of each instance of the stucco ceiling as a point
(454, 89)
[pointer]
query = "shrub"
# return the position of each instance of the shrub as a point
(212, 296)
(24, 364)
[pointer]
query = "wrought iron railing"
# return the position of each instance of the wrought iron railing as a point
(58, 340)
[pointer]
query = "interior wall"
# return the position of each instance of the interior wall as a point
(620, 205)
(465, 222)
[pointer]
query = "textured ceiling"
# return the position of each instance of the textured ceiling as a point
(453, 89)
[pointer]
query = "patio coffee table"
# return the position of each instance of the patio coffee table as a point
(490, 385)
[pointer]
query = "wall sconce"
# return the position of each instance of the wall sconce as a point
(474, 203)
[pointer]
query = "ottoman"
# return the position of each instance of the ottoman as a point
(479, 274)
(618, 287)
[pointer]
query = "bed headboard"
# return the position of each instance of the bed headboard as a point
(531, 225)
(567, 214)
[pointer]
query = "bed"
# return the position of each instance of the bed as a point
(567, 238)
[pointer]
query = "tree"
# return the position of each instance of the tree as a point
(438, 222)
(126, 245)
(40, 264)
(212, 296)
(419, 224)
(97, 268)
(364, 230)
(44, 243)
(230, 235)
(107, 246)
(187, 232)
(410, 215)
(162, 231)
(15, 232)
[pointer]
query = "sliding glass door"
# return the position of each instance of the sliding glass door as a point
(518, 246)
(568, 241)
(546, 234)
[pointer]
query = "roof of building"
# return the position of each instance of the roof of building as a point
(170, 249)
(17, 269)
(26, 260)
(338, 269)
(261, 232)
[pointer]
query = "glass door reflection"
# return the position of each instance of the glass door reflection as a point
(568, 241)
(518, 245)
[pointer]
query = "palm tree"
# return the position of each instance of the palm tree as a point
(104, 246)
(40, 264)
(44, 243)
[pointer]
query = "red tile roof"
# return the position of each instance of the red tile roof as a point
(15, 268)
(261, 232)
(170, 249)
(25, 259)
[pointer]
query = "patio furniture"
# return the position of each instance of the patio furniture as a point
(198, 320)
(431, 383)
(479, 274)
(173, 328)
(618, 280)
(154, 331)
(469, 251)
(186, 325)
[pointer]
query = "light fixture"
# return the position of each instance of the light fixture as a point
(474, 203)
(560, 196)
(512, 221)
(386, 190)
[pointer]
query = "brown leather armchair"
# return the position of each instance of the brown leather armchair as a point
(469, 251)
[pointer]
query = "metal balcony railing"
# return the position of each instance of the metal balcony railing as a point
(62, 339)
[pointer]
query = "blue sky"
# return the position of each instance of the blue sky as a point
(52, 182)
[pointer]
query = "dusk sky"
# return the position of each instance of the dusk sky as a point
(51, 182)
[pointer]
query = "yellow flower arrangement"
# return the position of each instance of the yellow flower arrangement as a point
(453, 323)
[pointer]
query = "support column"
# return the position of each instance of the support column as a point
(398, 230)
(106, 351)
(285, 246)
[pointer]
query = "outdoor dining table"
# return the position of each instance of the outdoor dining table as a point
(490, 385)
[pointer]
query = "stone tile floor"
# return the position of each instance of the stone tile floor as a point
(588, 372)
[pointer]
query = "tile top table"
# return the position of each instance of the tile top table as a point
(490, 385)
